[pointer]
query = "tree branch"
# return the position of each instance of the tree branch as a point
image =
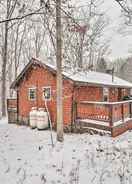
(22, 17)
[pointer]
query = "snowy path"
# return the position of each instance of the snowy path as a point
(26, 157)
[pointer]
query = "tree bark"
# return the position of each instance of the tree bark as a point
(59, 73)
(4, 63)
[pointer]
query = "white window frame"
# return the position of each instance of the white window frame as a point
(32, 88)
(123, 91)
(106, 88)
(46, 87)
(131, 92)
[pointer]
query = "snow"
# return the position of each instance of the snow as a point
(93, 77)
(107, 103)
(103, 123)
(98, 78)
(27, 157)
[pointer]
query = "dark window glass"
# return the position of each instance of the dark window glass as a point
(47, 93)
(32, 94)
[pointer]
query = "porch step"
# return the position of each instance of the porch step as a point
(93, 124)
(92, 131)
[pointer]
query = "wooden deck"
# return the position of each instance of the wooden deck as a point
(115, 117)
(118, 128)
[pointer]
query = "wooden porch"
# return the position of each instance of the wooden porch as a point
(115, 117)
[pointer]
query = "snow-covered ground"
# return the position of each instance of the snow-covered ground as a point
(27, 157)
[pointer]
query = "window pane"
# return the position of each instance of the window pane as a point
(32, 94)
(47, 93)
(105, 94)
(131, 92)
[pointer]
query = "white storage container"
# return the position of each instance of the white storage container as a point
(42, 119)
(33, 117)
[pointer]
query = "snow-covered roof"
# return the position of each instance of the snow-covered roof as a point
(93, 77)
(83, 78)
(98, 78)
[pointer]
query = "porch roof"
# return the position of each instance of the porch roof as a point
(79, 78)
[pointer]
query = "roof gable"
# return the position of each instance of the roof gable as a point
(32, 62)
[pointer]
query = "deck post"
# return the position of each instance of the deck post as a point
(17, 106)
(74, 111)
(111, 115)
(130, 110)
(76, 107)
(122, 112)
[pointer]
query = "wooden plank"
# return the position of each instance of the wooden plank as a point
(84, 124)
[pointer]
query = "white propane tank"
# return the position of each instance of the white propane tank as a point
(42, 119)
(33, 117)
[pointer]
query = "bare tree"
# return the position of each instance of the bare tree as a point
(126, 7)
(10, 7)
(83, 41)
(59, 72)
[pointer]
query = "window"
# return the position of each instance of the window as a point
(123, 92)
(106, 94)
(131, 92)
(47, 93)
(32, 93)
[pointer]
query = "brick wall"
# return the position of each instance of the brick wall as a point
(113, 94)
(39, 78)
(88, 93)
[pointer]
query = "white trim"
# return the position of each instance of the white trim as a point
(106, 103)
(131, 91)
(46, 87)
(32, 88)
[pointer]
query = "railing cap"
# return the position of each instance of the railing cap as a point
(106, 103)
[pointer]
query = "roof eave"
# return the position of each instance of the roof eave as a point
(82, 83)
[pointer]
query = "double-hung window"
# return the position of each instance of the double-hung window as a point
(46, 93)
(105, 94)
(32, 94)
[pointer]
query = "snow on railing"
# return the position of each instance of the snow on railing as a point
(106, 103)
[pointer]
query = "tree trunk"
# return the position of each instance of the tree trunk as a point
(80, 63)
(4, 63)
(59, 73)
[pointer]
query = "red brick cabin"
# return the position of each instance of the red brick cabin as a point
(90, 99)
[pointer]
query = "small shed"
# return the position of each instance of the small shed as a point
(89, 98)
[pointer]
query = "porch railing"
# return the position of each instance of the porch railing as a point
(109, 112)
